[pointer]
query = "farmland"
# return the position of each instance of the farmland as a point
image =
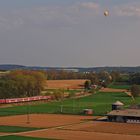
(14, 129)
(82, 135)
(120, 86)
(64, 118)
(69, 127)
(99, 102)
(43, 121)
(69, 70)
(21, 138)
(65, 84)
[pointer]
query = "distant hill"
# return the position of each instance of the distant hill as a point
(11, 67)
(109, 69)
(80, 69)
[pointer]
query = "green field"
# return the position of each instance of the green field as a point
(120, 86)
(21, 138)
(15, 129)
(99, 102)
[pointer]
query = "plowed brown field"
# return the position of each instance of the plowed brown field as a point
(65, 84)
(79, 135)
(42, 120)
(112, 90)
(107, 127)
(71, 127)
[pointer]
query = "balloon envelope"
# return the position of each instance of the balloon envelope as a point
(106, 13)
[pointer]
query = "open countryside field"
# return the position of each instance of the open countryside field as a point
(65, 84)
(43, 120)
(39, 121)
(106, 127)
(81, 135)
(99, 102)
(70, 127)
(9, 129)
(120, 86)
(61, 133)
(12, 137)
(112, 90)
(66, 122)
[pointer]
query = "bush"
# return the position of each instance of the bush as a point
(135, 90)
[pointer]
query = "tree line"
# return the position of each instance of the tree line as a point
(64, 75)
(95, 78)
(134, 80)
(21, 83)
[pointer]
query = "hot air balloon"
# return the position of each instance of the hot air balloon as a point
(106, 13)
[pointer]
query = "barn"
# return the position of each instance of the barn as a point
(125, 115)
(119, 114)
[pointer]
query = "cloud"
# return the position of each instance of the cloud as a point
(130, 9)
(62, 16)
(49, 15)
(90, 5)
(10, 22)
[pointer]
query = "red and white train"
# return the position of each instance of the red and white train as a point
(27, 99)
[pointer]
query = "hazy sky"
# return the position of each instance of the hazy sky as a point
(70, 32)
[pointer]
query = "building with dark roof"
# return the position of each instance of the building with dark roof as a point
(126, 115)
(118, 114)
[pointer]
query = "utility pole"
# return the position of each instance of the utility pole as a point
(28, 111)
(28, 115)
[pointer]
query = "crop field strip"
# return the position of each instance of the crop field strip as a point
(13, 137)
(14, 129)
(99, 102)
(120, 86)
(17, 133)
(74, 129)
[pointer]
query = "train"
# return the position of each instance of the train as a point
(27, 99)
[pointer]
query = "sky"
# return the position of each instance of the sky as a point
(70, 33)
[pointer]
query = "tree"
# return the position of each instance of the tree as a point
(135, 78)
(4, 86)
(22, 83)
(87, 85)
(58, 94)
(93, 77)
(135, 90)
(105, 78)
(115, 75)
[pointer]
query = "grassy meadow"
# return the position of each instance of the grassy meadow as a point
(120, 86)
(12, 137)
(15, 129)
(99, 102)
